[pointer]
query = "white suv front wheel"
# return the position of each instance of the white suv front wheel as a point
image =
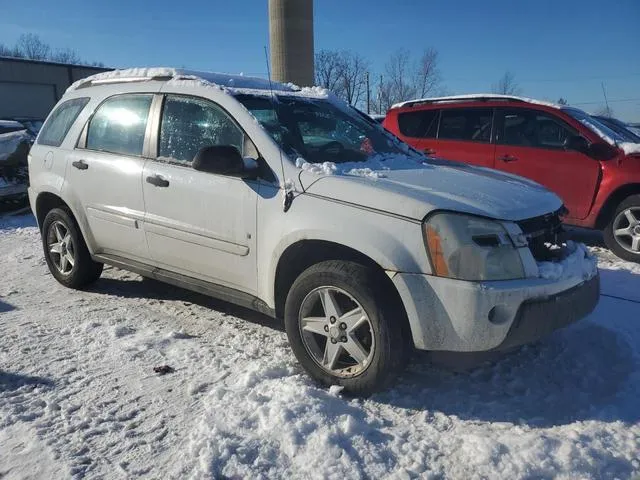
(344, 328)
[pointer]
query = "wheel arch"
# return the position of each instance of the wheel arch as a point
(302, 254)
(612, 201)
(47, 201)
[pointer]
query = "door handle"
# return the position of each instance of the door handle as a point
(157, 181)
(429, 151)
(508, 158)
(80, 164)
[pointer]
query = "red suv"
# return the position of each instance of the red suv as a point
(587, 164)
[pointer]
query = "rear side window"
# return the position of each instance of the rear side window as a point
(60, 121)
(119, 125)
(188, 124)
(470, 124)
(419, 124)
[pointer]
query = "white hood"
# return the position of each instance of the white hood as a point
(440, 185)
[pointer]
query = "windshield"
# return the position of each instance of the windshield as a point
(621, 129)
(320, 131)
(596, 126)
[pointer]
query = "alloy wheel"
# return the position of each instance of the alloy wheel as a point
(626, 229)
(61, 247)
(336, 331)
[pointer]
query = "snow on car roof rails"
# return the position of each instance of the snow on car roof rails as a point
(165, 73)
(486, 97)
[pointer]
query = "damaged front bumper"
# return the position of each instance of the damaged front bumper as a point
(457, 315)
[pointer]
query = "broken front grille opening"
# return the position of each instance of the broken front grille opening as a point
(546, 237)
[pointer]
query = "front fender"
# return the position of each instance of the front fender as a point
(394, 243)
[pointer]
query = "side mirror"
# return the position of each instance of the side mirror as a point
(224, 160)
(602, 151)
(576, 143)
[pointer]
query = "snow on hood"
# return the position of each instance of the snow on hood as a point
(630, 148)
(578, 263)
(376, 166)
(412, 189)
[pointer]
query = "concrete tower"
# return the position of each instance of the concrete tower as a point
(291, 41)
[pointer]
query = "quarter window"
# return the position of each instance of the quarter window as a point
(530, 128)
(60, 121)
(189, 124)
(419, 124)
(470, 124)
(119, 125)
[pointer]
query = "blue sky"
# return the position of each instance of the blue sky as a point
(555, 48)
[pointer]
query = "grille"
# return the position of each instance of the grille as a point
(543, 233)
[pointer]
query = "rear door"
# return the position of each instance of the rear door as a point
(530, 143)
(461, 134)
(105, 174)
(200, 224)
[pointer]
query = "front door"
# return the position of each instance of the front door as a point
(199, 224)
(105, 174)
(530, 143)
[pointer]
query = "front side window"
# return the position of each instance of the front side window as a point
(119, 124)
(530, 128)
(469, 124)
(60, 121)
(419, 124)
(189, 124)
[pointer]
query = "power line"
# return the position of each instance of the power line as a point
(620, 100)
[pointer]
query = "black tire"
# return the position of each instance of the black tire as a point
(388, 324)
(610, 240)
(84, 270)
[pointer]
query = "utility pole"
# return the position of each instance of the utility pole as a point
(380, 97)
(606, 102)
(368, 96)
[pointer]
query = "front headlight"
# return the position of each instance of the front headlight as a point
(470, 248)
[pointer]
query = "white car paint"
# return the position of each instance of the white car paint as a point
(234, 233)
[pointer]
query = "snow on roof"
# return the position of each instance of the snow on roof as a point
(221, 79)
(474, 96)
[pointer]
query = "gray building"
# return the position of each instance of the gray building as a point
(30, 88)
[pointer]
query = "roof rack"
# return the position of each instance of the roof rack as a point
(460, 98)
(106, 81)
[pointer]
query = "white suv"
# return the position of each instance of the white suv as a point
(288, 201)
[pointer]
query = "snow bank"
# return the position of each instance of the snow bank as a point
(9, 142)
(579, 263)
(374, 167)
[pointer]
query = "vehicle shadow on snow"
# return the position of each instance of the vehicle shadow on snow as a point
(11, 222)
(13, 381)
(592, 238)
(573, 375)
(133, 287)
(6, 307)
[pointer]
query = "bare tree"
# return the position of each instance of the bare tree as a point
(507, 85)
(327, 67)
(32, 47)
(67, 56)
(427, 73)
(399, 83)
(344, 73)
(353, 74)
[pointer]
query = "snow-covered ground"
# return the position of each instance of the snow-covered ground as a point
(79, 397)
